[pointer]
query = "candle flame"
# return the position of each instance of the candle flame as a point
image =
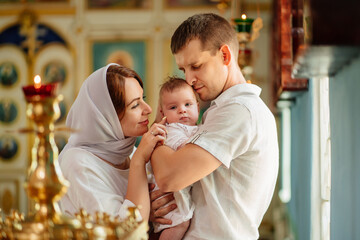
(243, 16)
(37, 82)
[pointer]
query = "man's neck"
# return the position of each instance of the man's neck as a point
(235, 77)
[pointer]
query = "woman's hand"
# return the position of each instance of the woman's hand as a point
(158, 209)
(155, 135)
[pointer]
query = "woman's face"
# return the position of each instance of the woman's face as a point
(135, 120)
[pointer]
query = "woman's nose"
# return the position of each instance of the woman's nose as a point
(147, 109)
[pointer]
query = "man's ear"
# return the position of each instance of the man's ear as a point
(226, 54)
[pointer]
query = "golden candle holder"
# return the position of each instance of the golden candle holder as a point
(46, 185)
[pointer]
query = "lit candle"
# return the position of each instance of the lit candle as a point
(37, 82)
(38, 89)
(243, 24)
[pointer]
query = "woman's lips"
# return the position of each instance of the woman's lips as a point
(146, 122)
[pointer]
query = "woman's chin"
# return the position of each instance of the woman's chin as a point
(143, 131)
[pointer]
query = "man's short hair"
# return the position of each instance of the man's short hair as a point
(212, 30)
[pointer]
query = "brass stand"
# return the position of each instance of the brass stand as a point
(46, 185)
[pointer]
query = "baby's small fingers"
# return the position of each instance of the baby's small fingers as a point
(162, 221)
(165, 210)
(158, 203)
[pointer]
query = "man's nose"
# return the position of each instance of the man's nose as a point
(190, 78)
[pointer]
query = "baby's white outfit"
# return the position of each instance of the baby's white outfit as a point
(177, 135)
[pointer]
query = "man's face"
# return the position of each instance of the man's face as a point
(206, 73)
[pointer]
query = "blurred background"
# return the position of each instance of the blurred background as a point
(305, 59)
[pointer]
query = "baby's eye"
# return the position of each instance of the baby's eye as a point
(188, 104)
(173, 107)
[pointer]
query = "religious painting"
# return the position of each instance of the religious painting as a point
(189, 3)
(129, 53)
(55, 72)
(8, 195)
(13, 146)
(9, 148)
(12, 193)
(14, 151)
(8, 74)
(119, 4)
(8, 111)
(54, 64)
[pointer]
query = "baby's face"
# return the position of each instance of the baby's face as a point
(180, 106)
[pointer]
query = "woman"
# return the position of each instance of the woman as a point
(109, 113)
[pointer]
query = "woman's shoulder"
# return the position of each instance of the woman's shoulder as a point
(76, 152)
(76, 157)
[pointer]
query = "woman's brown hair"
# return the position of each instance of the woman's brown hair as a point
(115, 80)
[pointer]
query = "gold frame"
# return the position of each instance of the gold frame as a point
(18, 180)
(150, 2)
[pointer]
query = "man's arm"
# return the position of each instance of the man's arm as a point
(176, 170)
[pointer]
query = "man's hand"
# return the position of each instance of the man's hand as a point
(158, 209)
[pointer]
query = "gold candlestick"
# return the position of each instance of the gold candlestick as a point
(45, 182)
(46, 185)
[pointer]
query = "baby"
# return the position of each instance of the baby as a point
(178, 103)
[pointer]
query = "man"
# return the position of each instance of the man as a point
(232, 161)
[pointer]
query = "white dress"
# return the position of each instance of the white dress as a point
(94, 185)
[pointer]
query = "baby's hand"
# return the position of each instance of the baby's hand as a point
(156, 135)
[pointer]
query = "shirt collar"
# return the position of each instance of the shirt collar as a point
(237, 90)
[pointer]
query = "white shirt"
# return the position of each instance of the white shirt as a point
(240, 131)
(94, 185)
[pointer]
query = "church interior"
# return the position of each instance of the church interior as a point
(304, 54)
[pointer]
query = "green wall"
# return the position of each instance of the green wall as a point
(299, 207)
(345, 152)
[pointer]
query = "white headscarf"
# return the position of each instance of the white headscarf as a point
(94, 116)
